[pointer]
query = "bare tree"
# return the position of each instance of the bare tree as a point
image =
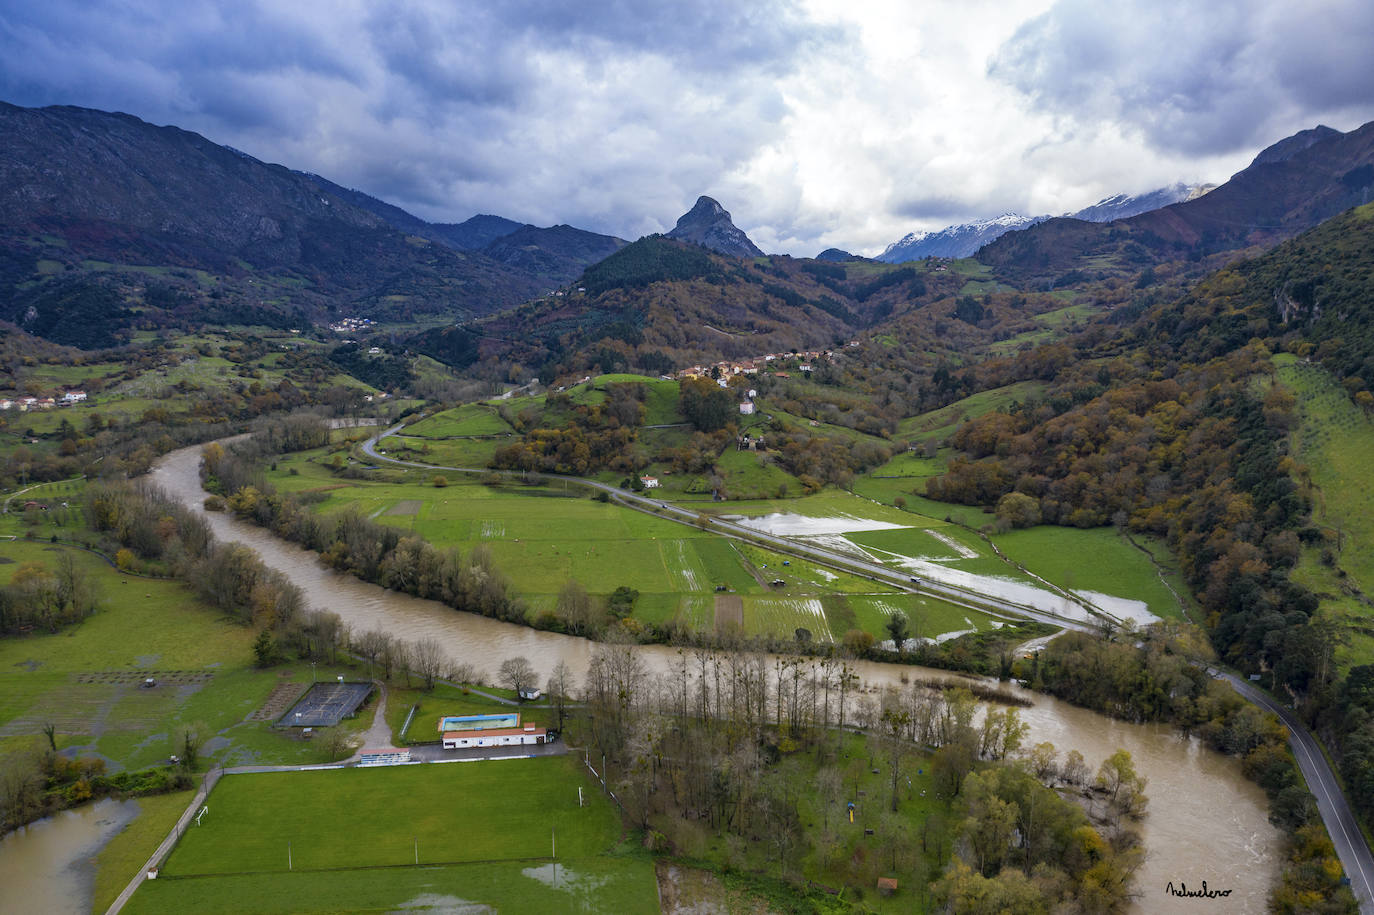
(428, 660)
(559, 687)
(370, 644)
(518, 673)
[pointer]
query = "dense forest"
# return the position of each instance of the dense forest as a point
(1176, 426)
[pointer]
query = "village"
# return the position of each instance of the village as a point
(24, 404)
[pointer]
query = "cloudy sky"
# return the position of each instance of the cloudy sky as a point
(817, 123)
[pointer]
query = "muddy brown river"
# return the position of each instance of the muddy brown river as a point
(48, 866)
(1205, 820)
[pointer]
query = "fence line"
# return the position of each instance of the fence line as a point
(158, 857)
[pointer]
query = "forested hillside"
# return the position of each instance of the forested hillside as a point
(1176, 426)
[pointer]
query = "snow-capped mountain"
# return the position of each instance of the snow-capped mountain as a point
(1124, 206)
(965, 240)
(955, 241)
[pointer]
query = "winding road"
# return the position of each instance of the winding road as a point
(1321, 780)
(1332, 804)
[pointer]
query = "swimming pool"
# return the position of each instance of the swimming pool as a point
(479, 722)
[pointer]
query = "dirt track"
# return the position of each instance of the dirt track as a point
(729, 609)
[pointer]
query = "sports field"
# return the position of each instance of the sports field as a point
(483, 833)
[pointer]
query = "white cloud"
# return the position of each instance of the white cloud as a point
(816, 124)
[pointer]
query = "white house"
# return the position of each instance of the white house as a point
(497, 737)
(747, 408)
(649, 482)
(74, 397)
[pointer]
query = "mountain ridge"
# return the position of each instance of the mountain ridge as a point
(1292, 186)
(93, 200)
(964, 239)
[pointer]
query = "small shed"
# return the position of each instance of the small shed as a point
(887, 885)
(529, 693)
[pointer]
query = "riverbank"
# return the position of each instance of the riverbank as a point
(1206, 821)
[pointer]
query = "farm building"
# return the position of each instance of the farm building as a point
(649, 482)
(489, 731)
(495, 737)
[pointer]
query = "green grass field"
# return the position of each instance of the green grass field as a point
(143, 624)
(1334, 441)
(495, 820)
(1099, 560)
(942, 423)
(469, 419)
(128, 851)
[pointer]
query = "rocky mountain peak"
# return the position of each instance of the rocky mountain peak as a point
(708, 223)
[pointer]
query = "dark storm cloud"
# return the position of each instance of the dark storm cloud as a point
(159, 60)
(1194, 78)
(609, 115)
(943, 207)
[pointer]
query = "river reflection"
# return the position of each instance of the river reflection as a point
(1205, 820)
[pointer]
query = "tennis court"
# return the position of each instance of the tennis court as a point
(325, 705)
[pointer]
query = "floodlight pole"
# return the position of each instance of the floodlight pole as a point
(288, 855)
(417, 850)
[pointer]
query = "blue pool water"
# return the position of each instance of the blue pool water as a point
(479, 722)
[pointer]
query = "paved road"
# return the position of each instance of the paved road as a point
(1331, 803)
(954, 594)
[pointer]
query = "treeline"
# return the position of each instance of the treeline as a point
(40, 782)
(593, 436)
(752, 749)
(163, 535)
(41, 598)
(1162, 678)
(352, 543)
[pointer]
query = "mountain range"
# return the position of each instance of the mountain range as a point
(100, 207)
(1290, 186)
(108, 223)
(965, 239)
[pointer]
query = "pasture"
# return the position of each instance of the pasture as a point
(942, 422)
(86, 679)
(1334, 441)
(1101, 560)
